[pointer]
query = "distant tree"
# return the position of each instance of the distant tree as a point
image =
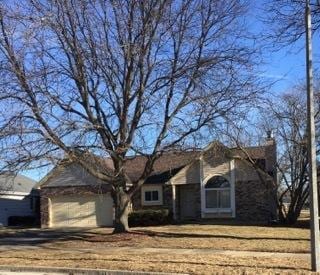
(118, 78)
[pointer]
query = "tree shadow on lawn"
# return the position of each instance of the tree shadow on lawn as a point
(301, 223)
(153, 233)
(47, 236)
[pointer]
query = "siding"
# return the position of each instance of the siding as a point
(9, 207)
(71, 175)
(245, 172)
(188, 175)
(216, 161)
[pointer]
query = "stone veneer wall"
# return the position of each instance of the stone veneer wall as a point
(197, 192)
(49, 192)
(254, 201)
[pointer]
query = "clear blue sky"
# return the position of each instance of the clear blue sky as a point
(286, 66)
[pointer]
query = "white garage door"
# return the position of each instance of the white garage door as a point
(82, 211)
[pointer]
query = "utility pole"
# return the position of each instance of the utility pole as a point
(314, 216)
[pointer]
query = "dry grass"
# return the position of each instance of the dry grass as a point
(192, 264)
(252, 238)
(67, 249)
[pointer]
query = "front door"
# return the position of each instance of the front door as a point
(187, 202)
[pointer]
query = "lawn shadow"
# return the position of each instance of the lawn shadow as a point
(301, 223)
(162, 234)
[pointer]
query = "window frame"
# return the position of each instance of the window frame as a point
(152, 192)
(152, 188)
(218, 189)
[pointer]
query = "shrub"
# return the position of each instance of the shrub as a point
(22, 220)
(149, 217)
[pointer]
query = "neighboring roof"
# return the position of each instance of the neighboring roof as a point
(16, 183)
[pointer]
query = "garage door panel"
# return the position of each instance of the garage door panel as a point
(82, 211)
(103, 213)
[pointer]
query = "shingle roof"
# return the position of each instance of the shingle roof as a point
(16, 183)
(164, 167)
(167, 162)
(255, 152)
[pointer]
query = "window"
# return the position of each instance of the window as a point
(151, 196)
(217, 193)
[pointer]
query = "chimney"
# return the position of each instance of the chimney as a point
(270, 139)
(271, 153)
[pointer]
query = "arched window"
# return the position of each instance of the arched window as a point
(217, 193)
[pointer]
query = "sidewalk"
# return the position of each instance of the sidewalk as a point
(26, 270)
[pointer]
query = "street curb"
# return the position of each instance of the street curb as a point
(75, 271)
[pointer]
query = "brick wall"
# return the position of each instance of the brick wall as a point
(254, 201)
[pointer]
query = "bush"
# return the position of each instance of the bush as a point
(22, 221)
(149, 217)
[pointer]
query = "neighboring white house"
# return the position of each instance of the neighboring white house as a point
(16, 197)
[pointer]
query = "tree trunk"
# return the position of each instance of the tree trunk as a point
(122, 203)
(281, 213)
(291, 216)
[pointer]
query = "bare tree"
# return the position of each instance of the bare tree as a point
(118, 78)
(286, 116)
(285, 20)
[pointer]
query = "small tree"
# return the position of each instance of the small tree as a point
(117, 78)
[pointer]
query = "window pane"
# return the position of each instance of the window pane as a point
(211, 199)
(217, 182)
(224, 198)
(155, 195)
(147, 196)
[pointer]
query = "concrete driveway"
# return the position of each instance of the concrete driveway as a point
(37, 236)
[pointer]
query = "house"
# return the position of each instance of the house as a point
(17, 197)
(216, 182)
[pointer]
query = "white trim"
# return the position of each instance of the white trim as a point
(202, 194)
(230, 178)
(13, 197)
(218, 210)
(14, 193)
(49, 213)
(174, 210)
(233, 182)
